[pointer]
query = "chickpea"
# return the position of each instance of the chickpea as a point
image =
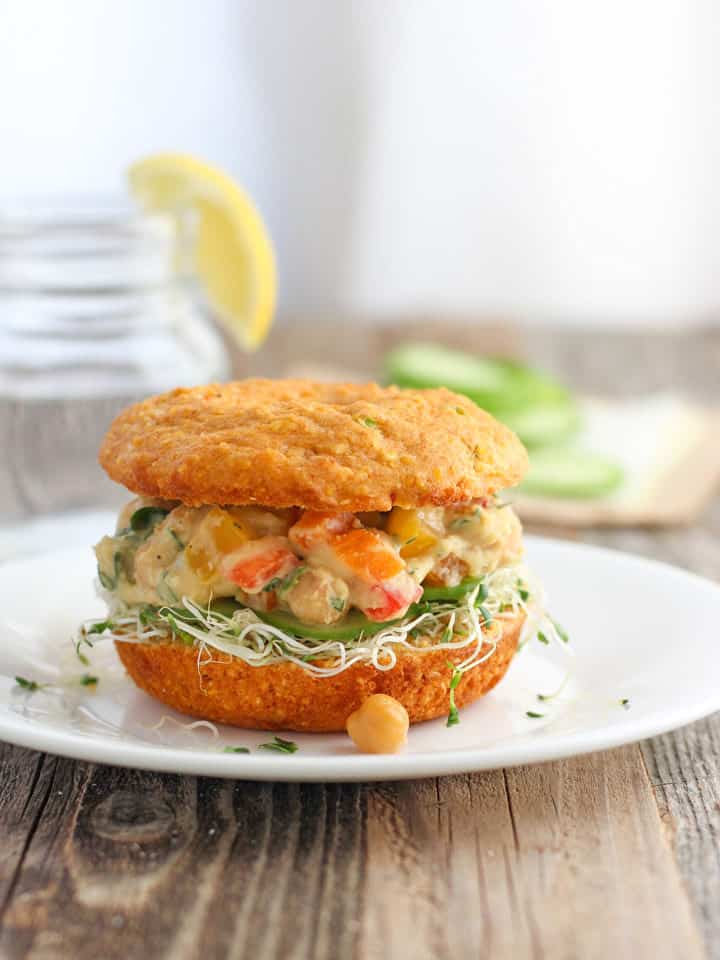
(380, 725)
(318, 596)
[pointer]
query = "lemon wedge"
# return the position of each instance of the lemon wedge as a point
(230, 249)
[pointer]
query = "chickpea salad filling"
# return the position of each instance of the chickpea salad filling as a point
(322, 590)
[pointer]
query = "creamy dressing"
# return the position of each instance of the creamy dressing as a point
(160, 555)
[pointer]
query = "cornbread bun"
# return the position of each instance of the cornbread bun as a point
(296, 443)
(283, 696)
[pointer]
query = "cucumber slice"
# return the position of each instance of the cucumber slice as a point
(347, 629)
(432, 594)
(539, 409)
(226, 607)
(542, 424)
(354, 623)
(571, 474)
(532, 386)
(429, 364)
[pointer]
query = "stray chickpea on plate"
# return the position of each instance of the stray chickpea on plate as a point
(315, 557)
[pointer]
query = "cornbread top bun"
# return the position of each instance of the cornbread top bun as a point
(286, 443)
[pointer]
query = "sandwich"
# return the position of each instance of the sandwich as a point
(294, 547)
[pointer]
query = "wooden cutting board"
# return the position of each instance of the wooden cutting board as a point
(671, 450)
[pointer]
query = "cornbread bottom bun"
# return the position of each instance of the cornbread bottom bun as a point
(283, 696)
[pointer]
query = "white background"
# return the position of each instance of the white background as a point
(545, 158)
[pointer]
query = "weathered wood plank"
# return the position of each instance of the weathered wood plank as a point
(685, 766)
(180, 867)
(35, 885)
(564, 860)
(25, 777)
(684, 769)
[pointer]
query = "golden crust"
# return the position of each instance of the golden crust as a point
(295, 443)
(283, 696)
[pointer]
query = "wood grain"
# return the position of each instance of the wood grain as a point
(168, 866)
(613, 855)
(520, 864)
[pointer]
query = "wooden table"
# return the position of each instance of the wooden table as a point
(611, 855)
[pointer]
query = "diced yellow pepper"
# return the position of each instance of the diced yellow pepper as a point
(217, 535)
(199, 561)
(228, 533)
(409, 529)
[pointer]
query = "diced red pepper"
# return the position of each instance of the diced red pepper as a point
(391, 604)
(315, 527)
(257, 568)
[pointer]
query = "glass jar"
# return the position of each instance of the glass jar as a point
(93, 316)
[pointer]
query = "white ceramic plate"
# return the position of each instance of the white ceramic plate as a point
(642, 632)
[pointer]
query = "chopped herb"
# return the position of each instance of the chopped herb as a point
(560, 631)
(423, 606)
(411, 540)
(477, 511)
(544, 697)
(235, 750)
(369, 422)
(30, 685)
(447, 635)
(122, 566)
(279, 745)
(293, 578)
(82, 638)
(453, 714)
(522, 590)
(459, 522)
(178, 541)
(486, 615)
(272, 584)
(337, 603)
(625, 703)
(501, 506)
(533, 715)
(118, 566)
(460, 410)
(185, 638)
(100, 626)
(107, 582)
(542, 638)
(144, 519)
(165, 591)
(147, 616)
(87, 680)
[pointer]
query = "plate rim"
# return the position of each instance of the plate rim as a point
(93, 748)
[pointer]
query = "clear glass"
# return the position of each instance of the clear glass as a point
(93, 316)
(91, 305)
